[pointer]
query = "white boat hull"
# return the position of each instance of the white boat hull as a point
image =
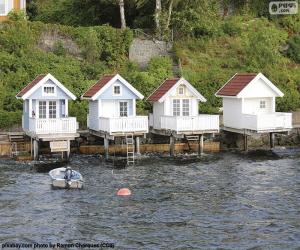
(58, 180)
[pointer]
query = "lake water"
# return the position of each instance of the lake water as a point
(227, 200)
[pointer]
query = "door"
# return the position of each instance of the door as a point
(47, 109)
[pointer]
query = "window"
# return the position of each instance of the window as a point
(2, 7)
(42, 109)
(181, 90)
(49, 90)
(52, 109)
(262, 104)
(117, 90)
(123, 109)
(185, 107)
(176, 107)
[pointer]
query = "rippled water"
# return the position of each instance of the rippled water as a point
(222, 201)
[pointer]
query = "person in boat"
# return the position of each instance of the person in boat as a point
(68, 173)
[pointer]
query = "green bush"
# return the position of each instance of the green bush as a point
(8, 119)
(293, 51)
(232, 26)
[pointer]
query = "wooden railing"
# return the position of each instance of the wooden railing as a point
(124, 124)
(190, 123)
(274, 120)
(53, 125)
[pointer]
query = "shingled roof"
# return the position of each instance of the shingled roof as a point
(236, 84)
(97, 86)
(162, 89)
(31, 85)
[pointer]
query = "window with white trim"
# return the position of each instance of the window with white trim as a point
(185, 107)
(42, 109)
(176, 107)
(180, 90)
(262, 104)
(2, 7)
(123, 109)
(52, 109)
(117, 89)
(48, 90)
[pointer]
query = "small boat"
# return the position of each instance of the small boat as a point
(66, 178)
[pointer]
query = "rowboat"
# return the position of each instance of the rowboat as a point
(66, 178)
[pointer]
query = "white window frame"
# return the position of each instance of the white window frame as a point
(7, 4)
(56, 106)
(127, 109)
(262, 104)
(49, 86)
(186, 110)
(113, 89)
(38, 108)
(181, 87)
(178, 105)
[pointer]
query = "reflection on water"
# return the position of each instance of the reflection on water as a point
(225, 201)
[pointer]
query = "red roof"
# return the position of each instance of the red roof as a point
(97, 86)
(236, 84)
(162, 89)
(31, 85)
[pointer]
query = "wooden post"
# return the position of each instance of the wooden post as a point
(106, 148)
(31, 147)
(66, 154)
(137, 145)
(200, 145)
(172, 145)
(35, 150)
(245, 142)
(272, 140)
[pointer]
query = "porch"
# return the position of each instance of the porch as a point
(267, 122)
(188, 124)
(121, 125)
(40, 126)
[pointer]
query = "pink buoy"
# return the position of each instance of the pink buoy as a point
(123, 192)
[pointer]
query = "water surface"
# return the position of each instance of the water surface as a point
(228, 201)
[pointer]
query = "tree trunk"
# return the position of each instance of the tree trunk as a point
(169, 14)
(122, 14)
(157, 14)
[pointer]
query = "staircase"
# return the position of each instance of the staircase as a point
(130, 149)
(190, 138)
(18, 143)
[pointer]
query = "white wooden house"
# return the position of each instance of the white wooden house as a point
(176, 109)
(112, 107)
(45, 112)
(249, 104)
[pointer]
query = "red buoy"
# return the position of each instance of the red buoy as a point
(123, 192)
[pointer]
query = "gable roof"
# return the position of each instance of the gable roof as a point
(39, 81)
(239, 82)
(100, 86)
(236, 84)
(168, 85)
(31, 85)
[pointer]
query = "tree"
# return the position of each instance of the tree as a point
(157, 15)
(122, 14)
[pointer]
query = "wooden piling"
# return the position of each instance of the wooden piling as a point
(245, 142)
(106, 148)
(172, 145)
(200, 145)
(272, 140)
(137, 145)
(35, 150)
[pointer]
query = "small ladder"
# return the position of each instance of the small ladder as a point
(130, 149)
(190, 138)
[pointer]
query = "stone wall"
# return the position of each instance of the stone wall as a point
(142, 50)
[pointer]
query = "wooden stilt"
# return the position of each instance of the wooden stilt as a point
(272, 140)
(36, 149)
(31, 147)
(245, 143)
(172, 145)
(200, 145)
(137, 145)
(106, 148)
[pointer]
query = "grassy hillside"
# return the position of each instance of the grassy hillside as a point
(80, 55)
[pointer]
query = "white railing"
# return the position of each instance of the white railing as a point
(190, 123)
(53, 125)
(124, 124)
(269, 121)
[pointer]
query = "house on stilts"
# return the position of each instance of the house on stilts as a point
(112, 113)
(176, 113)
(249, 107)
(45, 114)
